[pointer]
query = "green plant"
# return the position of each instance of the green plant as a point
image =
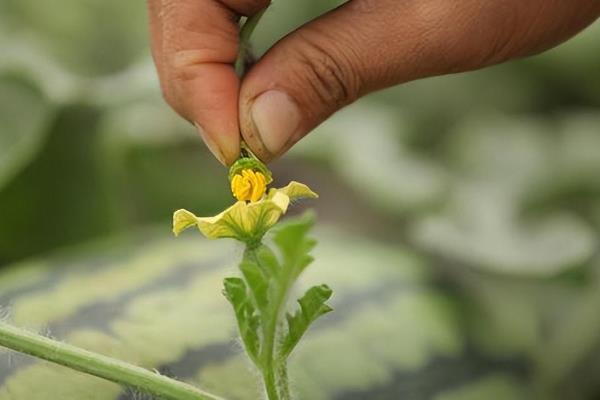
(259, 299)
(260, 295)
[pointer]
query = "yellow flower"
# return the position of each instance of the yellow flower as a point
(248, 185)
(247, 222)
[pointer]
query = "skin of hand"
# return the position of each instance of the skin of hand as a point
(357, 48)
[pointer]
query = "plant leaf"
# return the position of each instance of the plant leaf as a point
(268, 261)
(248, 321)
(260, 269)
(294, 244)
(257, 282)
(312, 306)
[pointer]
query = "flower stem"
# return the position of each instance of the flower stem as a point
(98, 365)
(270, 383)
(245, 34)
(272, 367)
(282, 378)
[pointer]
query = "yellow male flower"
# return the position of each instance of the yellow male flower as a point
(249, 185)
(247, 222)
(254, 213)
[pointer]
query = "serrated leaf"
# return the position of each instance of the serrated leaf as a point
(260, 268)
(294, 244)
(268, 261)
(257, 282)
(236, 292)
(312, 306)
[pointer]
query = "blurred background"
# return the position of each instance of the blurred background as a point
(499, 167)
(492, 177)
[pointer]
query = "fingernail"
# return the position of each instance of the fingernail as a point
(212, 146)
(277, 119)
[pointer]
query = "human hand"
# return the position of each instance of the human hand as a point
(362, 46)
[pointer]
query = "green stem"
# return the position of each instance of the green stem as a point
(273, 369)
(270, 383)
(98, 365)
(245, 34)
(282, 378)
(269, 332)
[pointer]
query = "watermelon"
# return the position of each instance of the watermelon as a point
(400, 330)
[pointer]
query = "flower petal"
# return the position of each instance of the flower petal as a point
(296, 190)
(183, 219)
(245, 221)
(281, 201)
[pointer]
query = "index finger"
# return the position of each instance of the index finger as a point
(194, 44)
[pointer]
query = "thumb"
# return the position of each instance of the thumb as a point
(366, 45)
(300, 81)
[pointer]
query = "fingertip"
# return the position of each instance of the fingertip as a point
(195, 43)
(211, 100)
(225, 152)
(230, 147)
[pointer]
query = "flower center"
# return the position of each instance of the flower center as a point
(249, 185)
